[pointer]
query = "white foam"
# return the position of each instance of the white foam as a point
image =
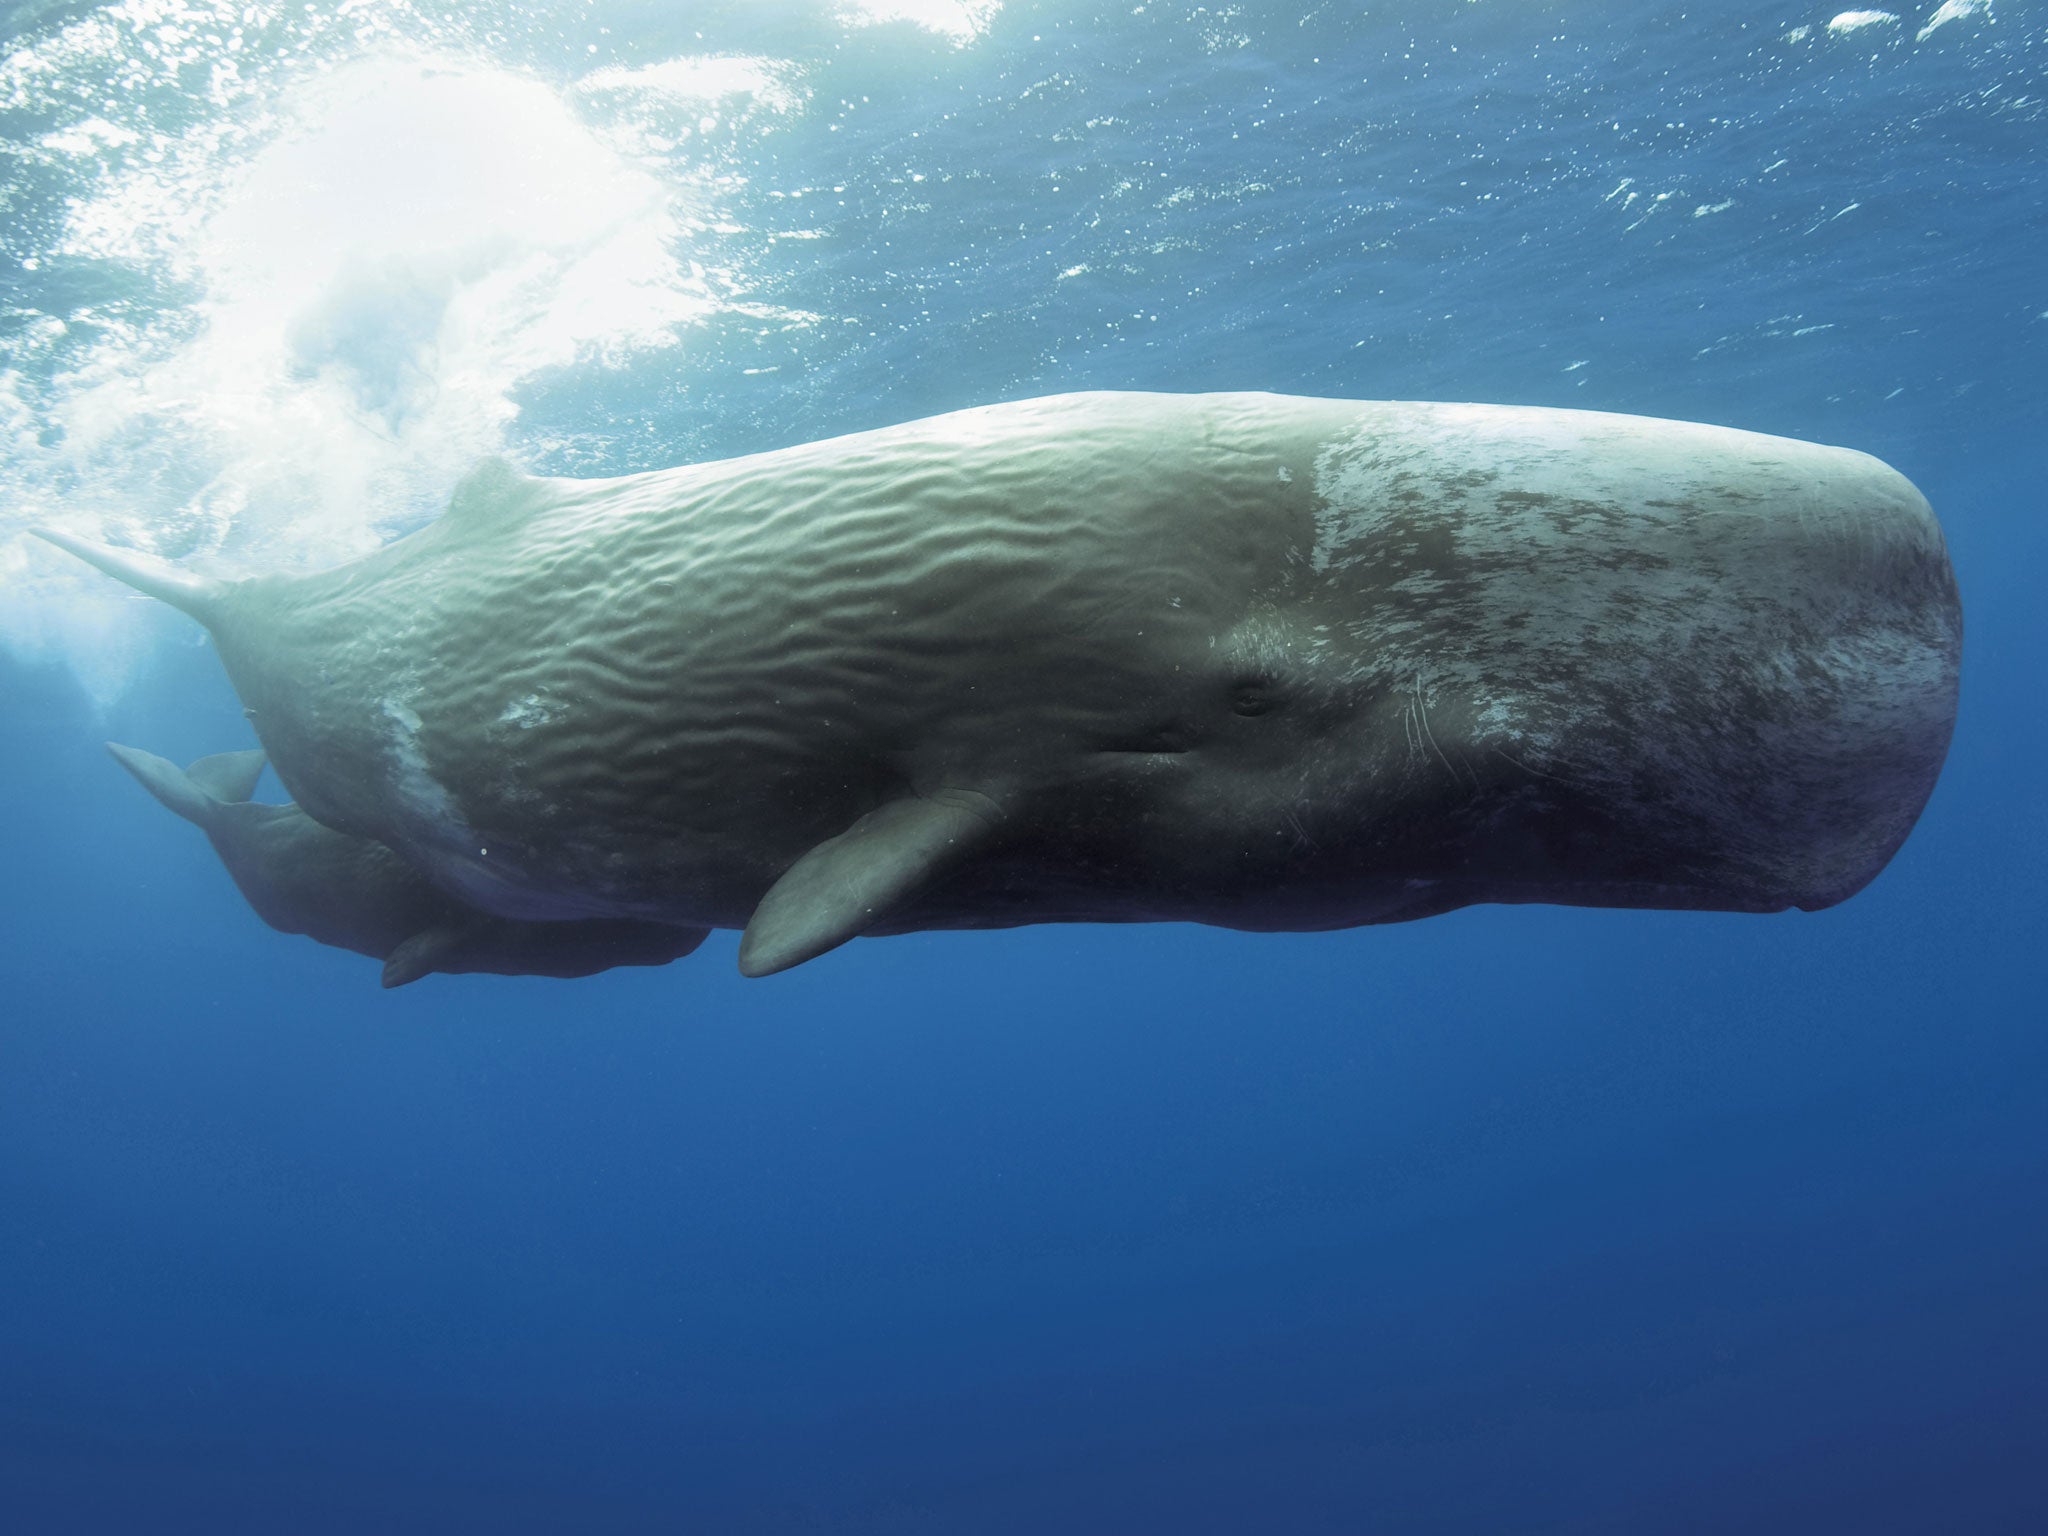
(710, 80)
(1952, 10)
(1856, 21)
(373, 285)
(961, 21)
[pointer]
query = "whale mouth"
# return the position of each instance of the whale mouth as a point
(1170, 739)
(1669, 895)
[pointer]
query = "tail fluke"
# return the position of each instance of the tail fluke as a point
(196, 792)
(229, 777)
(199, 596)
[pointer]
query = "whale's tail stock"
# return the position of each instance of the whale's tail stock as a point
(199, 596)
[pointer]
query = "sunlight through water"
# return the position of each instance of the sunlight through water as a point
(349, 264)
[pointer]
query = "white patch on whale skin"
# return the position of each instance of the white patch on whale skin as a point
(1347, 508)
(449, 848)
(1399, 445)
(1474, 516)
(529, 712)
(425, 798)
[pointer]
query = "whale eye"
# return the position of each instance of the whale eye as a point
(1253, 698)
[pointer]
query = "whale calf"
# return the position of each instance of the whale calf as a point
(355, 893)
(1260, 661)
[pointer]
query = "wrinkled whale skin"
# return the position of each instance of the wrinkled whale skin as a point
(1253, 660)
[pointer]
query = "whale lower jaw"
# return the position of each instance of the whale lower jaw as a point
(1405, 901)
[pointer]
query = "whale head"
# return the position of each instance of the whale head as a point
(1565, 657)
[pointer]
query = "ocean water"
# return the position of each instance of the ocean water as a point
(1527, 1220)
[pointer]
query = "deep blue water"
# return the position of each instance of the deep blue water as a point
(1510, 1220)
